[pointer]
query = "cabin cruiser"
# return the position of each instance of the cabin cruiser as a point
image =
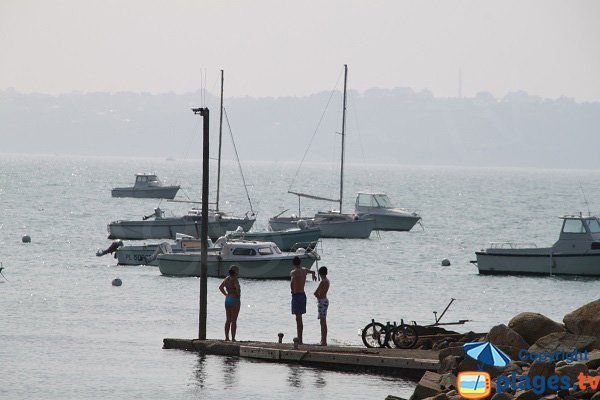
(146, 254)
(146, 186)
(577, 252)
(378, 206)
(259, 260)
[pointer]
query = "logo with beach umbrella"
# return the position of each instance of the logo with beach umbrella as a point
(486, 353)
(477, 384)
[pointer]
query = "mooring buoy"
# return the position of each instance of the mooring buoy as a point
(117, 282)
(26, 239)
(445, 262)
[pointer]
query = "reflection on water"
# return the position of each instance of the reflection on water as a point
(200, 373)
(229, 371)
(320, 379)
(295, 374)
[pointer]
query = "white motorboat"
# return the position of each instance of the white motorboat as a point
(161, 227)
(378, 206)
(145, 254)
(333, 224)
(147, 186)
(577, 252)
(258, 260)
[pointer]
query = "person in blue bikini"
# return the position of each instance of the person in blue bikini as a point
(230, 287)
(298, 280)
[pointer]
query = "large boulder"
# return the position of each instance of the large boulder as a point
(502, 335)
(572, 370)
(428, 386)
(562, 342)
(532, 326)
(585, 321)
(541, 368)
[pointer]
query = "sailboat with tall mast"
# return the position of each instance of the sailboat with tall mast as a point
(157, 226)
(333, 224)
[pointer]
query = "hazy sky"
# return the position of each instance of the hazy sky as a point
(291, 48)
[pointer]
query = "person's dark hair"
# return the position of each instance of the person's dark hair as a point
(296, 260)
(323, 271)
(233, 270)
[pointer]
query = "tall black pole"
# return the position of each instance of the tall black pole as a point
(204, 228)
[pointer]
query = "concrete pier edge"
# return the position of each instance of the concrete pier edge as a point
(397, 362)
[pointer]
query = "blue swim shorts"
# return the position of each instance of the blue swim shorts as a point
(299, 303)
(231, 300)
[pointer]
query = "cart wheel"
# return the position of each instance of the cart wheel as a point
(405, 337)
(373, 334)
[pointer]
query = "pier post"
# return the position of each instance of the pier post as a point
(204, 227)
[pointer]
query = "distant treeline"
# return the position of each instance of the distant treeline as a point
(384, 126)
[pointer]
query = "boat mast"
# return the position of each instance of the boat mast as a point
(220, 136)
(343, 138)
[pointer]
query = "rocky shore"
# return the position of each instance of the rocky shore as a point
(549, 360)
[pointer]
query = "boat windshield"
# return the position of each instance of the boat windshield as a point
(573, 226)
(383, 201)
(147, 178)
(594, 225)
(265, 251)
(374, 200)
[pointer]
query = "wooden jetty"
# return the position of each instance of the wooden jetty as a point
(398, 362)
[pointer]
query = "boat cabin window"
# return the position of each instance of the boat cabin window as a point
(383, 201)
(265, 251)
(366, 200)
(594, 225)
(374, 200)
(573, 226)
(241, 251)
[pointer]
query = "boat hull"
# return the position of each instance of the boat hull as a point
(391, 222)
(136, 255)
(347, 229)
(164, 192)
(188, 264)
(286, 240)
(147, 254)
(167, 228)
(538, 262)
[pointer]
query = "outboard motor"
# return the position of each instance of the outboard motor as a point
(302, 224)
(111, 249)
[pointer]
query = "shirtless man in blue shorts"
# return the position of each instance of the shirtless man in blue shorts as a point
(298, 276)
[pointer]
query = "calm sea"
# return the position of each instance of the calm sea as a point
(67, 333)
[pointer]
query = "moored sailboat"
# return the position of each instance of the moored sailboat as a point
(333, 224)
